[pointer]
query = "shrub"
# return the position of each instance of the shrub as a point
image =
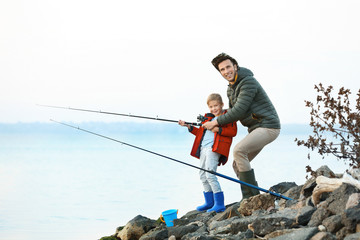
(335, 126)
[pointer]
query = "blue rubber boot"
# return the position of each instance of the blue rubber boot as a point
(219, 203)
(209, 201)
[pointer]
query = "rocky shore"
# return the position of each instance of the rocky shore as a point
(325, 207)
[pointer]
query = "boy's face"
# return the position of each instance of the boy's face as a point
(228, 70)
(215, 107)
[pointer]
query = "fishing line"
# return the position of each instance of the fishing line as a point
(122, 114)
(175, 160)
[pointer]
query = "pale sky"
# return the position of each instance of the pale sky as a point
(153, 57)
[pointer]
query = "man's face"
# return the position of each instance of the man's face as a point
(228, 70)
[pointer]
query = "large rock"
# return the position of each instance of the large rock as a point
(230, 211)
(304, 215)
(282, 187)
(136, 227)
(258, 202)
(353, 201)
(333, 223)
(293, 193)
(298, 234)
(319, 215)
(221, 227)
(323, 236)
(273, 222)
(325, 171)
(241, 224)
(179, 231)
(158, 233)
(337, 200)
(355, 236)
(193, 216)
(351, 219)
(280, 220)
(309, 186)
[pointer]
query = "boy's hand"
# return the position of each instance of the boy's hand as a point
(182, 123)
(215, 129)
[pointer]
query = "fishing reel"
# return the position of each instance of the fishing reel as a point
(202, 118)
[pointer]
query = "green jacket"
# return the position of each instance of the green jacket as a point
(249, 104)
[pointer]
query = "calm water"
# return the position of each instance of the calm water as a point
(61, 182)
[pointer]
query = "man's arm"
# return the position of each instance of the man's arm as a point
(245, 98)
(210, 124)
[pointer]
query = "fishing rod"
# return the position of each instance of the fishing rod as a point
(126, 115)
(175, 160)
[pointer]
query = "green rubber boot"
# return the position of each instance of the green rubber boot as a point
(248, 177)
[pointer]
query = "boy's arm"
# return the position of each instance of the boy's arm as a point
(193, 130)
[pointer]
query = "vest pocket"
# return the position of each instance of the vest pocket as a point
(256, 117)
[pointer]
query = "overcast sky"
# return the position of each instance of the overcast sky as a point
(153, 57)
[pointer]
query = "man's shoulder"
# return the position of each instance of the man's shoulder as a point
(248, 81)
(244, 72)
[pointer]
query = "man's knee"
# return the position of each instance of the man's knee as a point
(241, 165)
(239, 158)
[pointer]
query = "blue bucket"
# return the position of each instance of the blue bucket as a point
(168, 216)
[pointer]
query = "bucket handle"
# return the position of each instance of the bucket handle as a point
(162, 218)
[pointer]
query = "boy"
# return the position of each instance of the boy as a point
(212, 148)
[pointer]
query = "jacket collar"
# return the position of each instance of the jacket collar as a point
(237, 79)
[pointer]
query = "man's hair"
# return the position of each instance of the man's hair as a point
(222, 57)
(214, 97)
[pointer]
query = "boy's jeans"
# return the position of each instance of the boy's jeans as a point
(209, 160)
(247, 149)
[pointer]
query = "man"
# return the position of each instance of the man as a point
(250, 105)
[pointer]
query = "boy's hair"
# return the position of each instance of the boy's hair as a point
(214, 97)
(222, 57)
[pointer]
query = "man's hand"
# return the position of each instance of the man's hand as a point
(210, 125)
